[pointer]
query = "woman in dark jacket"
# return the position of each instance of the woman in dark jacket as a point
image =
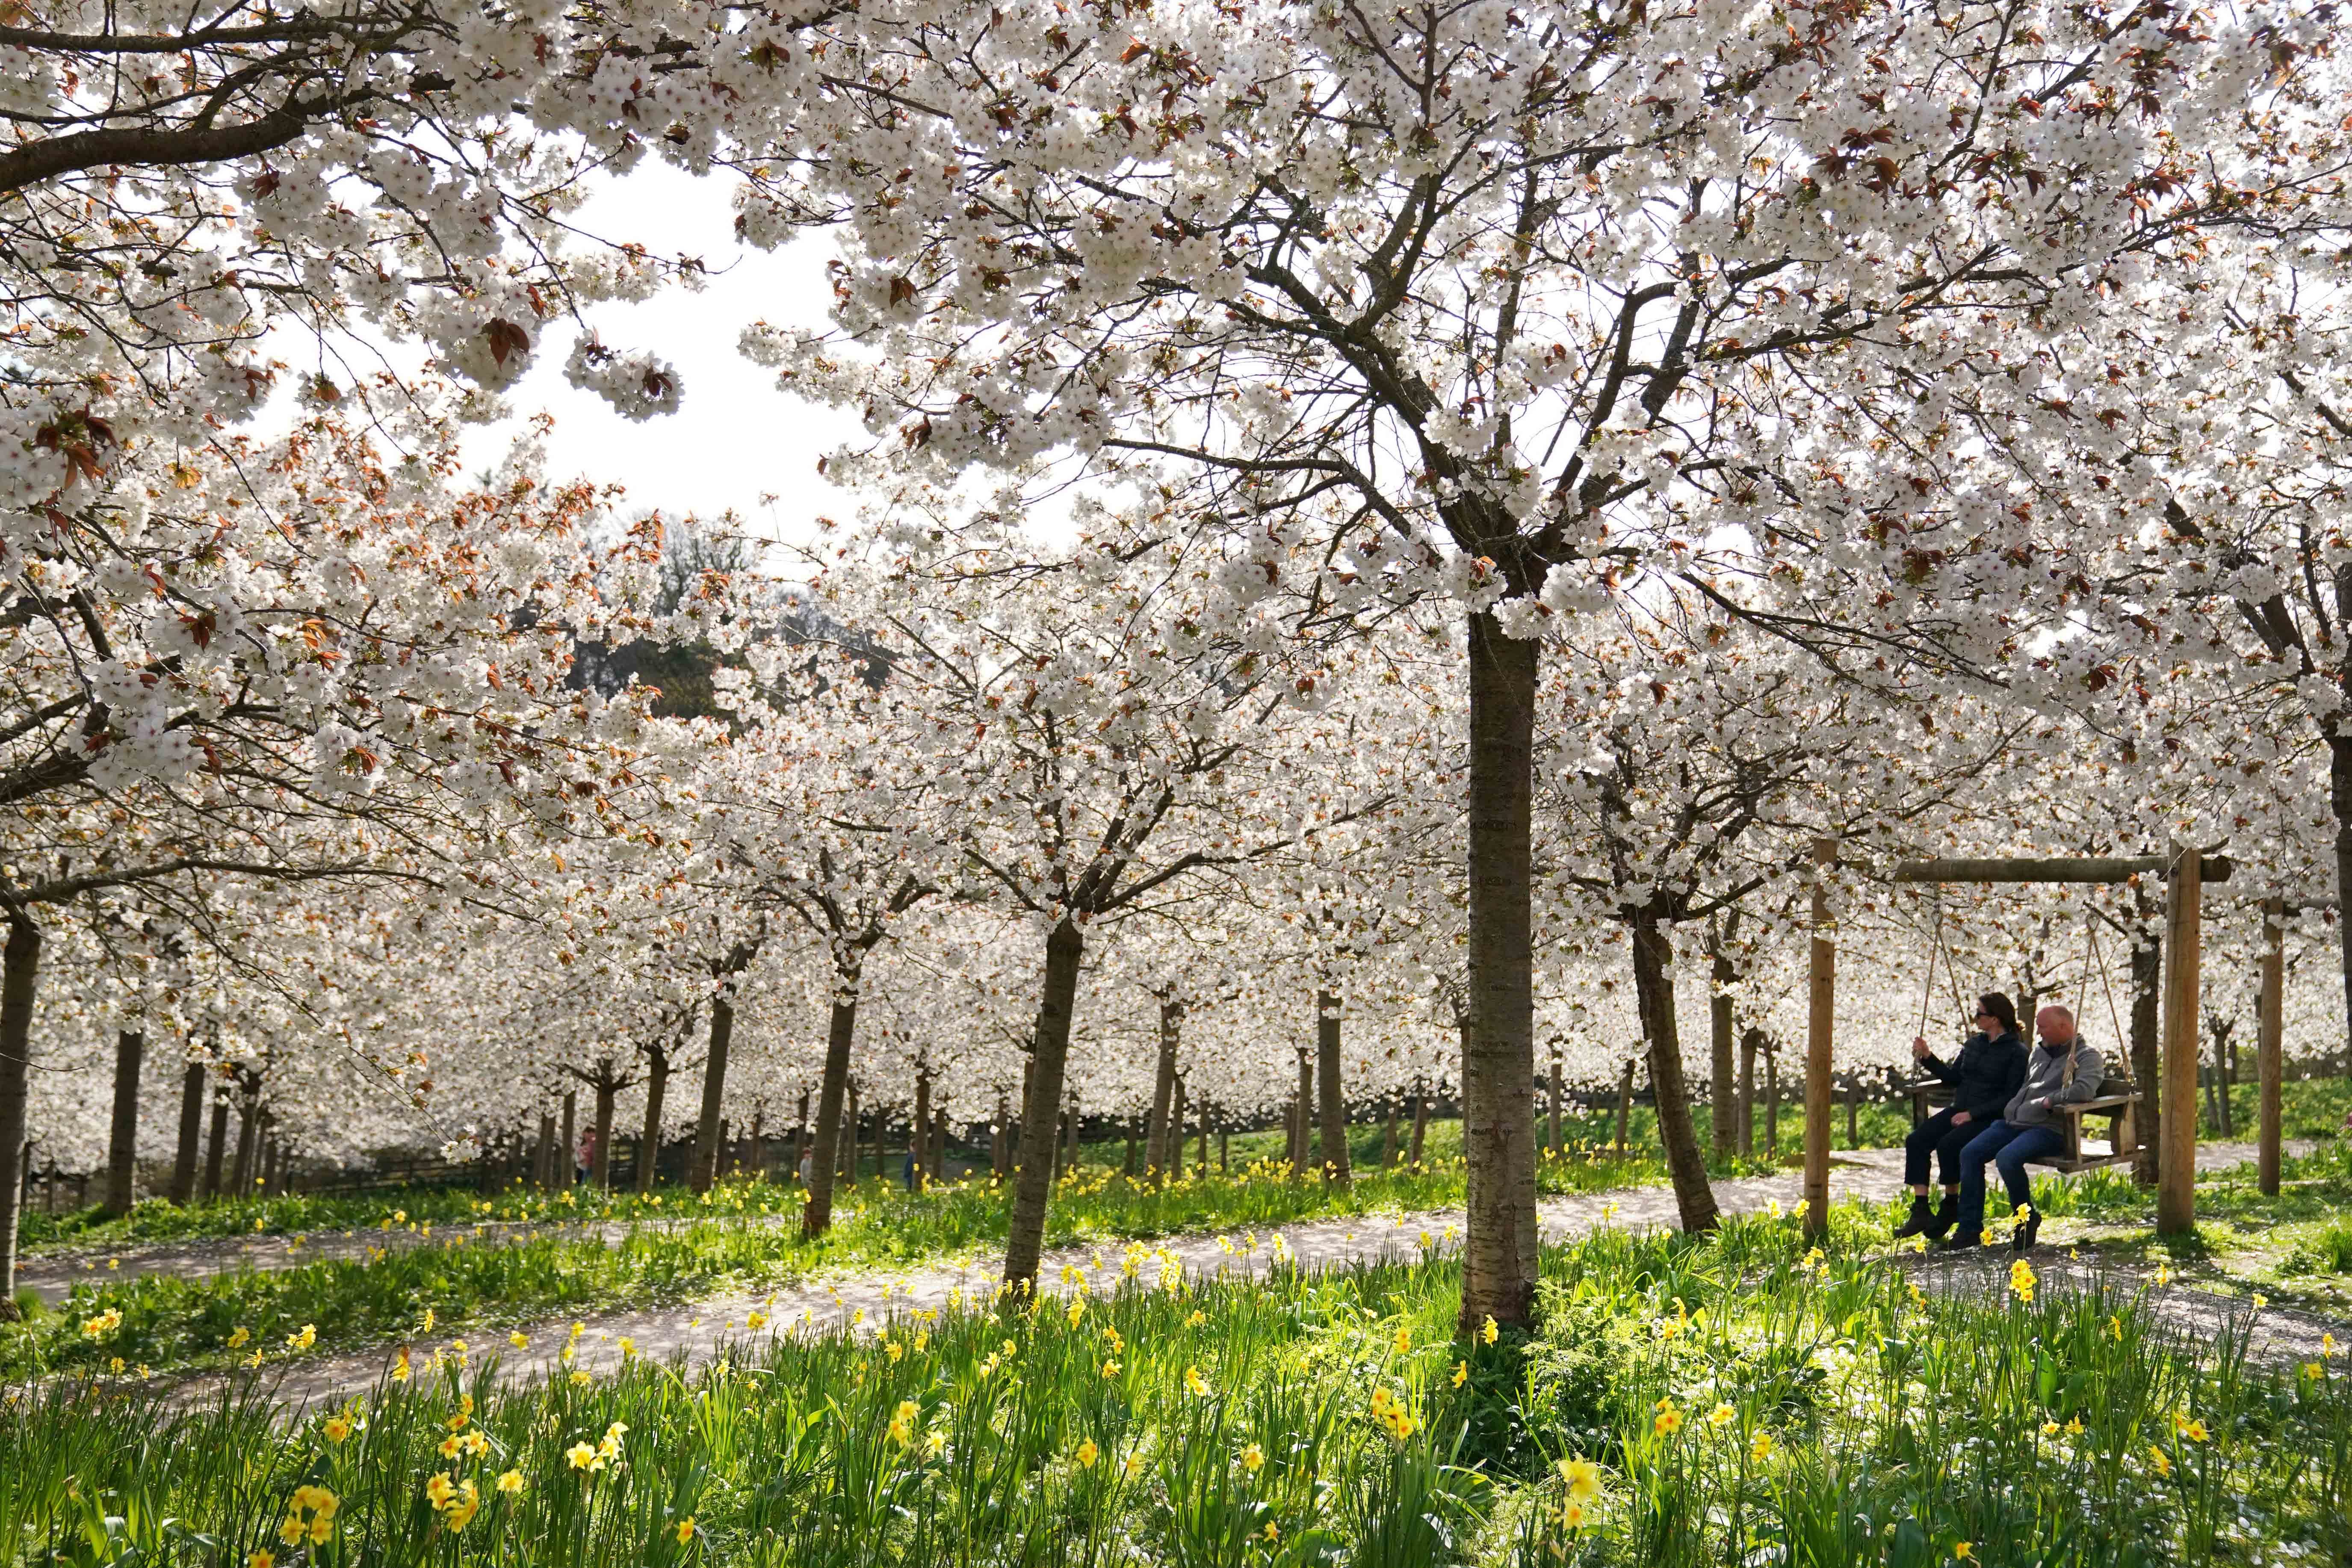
(1986, 1074)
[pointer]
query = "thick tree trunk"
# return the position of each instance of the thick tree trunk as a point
(248, 1145)
(600, 1164)
(191, 1134)
(1134, 1134)
(714, 1092)
(2148, 1053)
(1158, 1146)
(1419, 1121)
(2269, 1048)
(1498, 1059)
(1388, 1138)
(1337, 1169)
(542, 1158)
(1176, 1129)
(216, 1144)
(1772, 1103)
(20, 963)
(123, 1136)
(1722, 1104)
(1033, 1186)
(656, 1103)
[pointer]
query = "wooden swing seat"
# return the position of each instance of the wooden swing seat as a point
(2117, 1101)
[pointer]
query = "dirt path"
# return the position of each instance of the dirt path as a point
(694, 1334)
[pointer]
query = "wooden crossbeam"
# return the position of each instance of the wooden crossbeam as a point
(2210, 868)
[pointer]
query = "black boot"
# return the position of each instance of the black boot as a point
(1922, 1216)
(1941, 1220)
(2027, 1229)
(1960, 1240)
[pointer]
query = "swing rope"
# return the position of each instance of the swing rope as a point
(2107, 984)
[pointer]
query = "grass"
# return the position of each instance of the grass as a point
(1716, 1400)
(669, 1250)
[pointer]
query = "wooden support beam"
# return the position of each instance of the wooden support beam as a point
(2271, 1068)
(2175, 1173)
(1821, 1015)
(2210, 868)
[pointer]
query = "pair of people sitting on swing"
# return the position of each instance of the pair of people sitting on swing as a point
(2004, 1112)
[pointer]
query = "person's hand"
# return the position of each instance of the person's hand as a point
(1959, 1119)
(1920, 1051)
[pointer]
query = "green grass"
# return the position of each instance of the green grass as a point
(747, 1236)
(1738, 1401)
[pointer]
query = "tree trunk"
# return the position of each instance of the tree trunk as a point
(1133, 1127)
(216, 1145)
(1338, 1169)
(1388, 1138)
(1772, 1103)
(1498, 1059)
(2148, 1053)
(1033, 1189)
(123, 1136)
(1176, 1129)
(1076, 1152)
(567, 1162)
(656, 1098)
(20, 963)
(600, 1164)
(850, 1131)
(1000, 1140)
(1723, 1107)
(1625, 1107)
(248, 1145)
(714, 1092)
(1420, 1122)
(2269, 1046)
(1749, 1043)
(1821, 1023)
(2340, 796)
(919, 1154)
(803, 1142)
(1559, 1088)
(191, 1134)
(542, 1158)
(1157, 1145)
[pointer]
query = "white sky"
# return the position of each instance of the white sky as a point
(735, 438)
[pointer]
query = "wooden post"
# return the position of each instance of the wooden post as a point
(2271, 1046)
(1820, 1020)
(2176, 1178)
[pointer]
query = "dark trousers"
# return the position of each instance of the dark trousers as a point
(2009, 1148)
(1936, 1136)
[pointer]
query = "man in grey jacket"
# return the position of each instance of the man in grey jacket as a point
(2062, 1071)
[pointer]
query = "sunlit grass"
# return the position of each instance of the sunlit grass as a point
(1729, 1399)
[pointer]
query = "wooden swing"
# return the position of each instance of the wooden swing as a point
(2116, 1099)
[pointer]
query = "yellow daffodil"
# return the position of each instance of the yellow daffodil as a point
(511, 1482)
(1722, 1416)
(1668, 1420)
(1134, 1463)
(1194, 1383)
(685, 1530)
(1761, 1449)
(1489, 1330)
(1087, 1454)
(440, 1489)
(581, 1455)
(2157, 1459)
(519, 1339)
(1253, 1458)
(1582, 1476)
(1404, 1340)
(1461, 1372)
(237, 1336)
(1964, 1552)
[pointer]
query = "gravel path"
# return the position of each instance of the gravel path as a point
(694, 1334)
